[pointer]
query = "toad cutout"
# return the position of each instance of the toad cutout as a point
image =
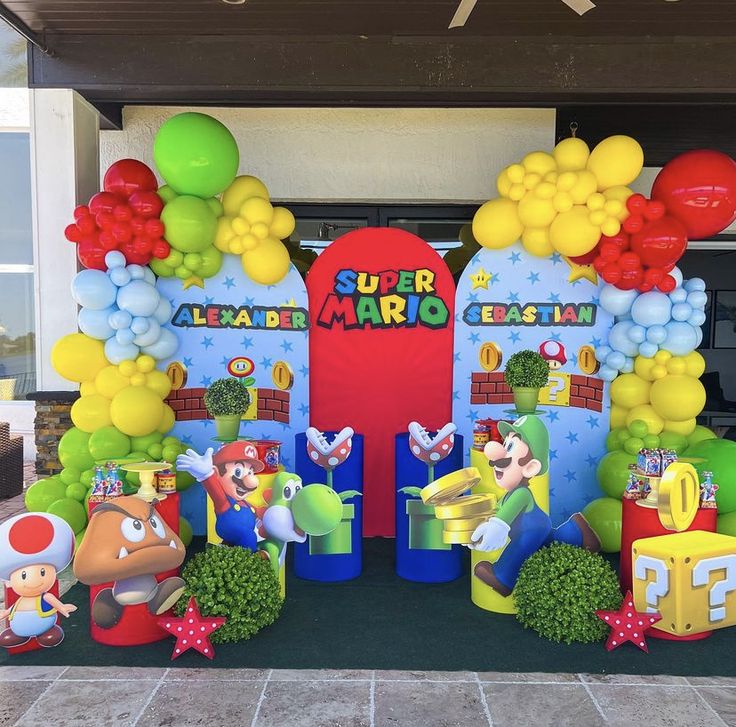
(128, 542)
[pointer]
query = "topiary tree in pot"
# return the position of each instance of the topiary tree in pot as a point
(227, 400)
(526, 373)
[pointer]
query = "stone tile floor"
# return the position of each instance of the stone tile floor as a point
(282, 698)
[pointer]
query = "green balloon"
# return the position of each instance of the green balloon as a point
(700, 434)
(651, 441)
(317, 509)
(141, 444)
(109, 443)
(183, 480)
(69, 475)
(196, 154)
(166, 193)
(76, 491)
(74, 450)
(211, 262)
(185, 532)
(727, 524)
(216, 206)
(638, 428)
(673, 440)
(86, 477)
(604, 516)
(155, 451)
(615, 439)
(633, 445)
(40, 495)
(170, 440)
(71, 511)
(161, 268)
(170, 453)
(613, 472)
(719, 457)
(190, 224)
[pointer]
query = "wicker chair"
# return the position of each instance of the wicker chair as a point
(11, 463)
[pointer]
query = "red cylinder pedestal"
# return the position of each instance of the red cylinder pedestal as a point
(643, 522)
(137, 625)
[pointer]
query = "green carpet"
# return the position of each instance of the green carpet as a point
(379, 621)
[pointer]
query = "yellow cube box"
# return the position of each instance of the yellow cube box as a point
(689, 578)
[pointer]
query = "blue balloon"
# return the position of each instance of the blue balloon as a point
(628, 366)
(681, 339)
(115, 259)
(694, 284)
(93, 289)
(138, 298)
(151, 335)
(617, 302)
(136, 272)
(618, 339)
(678, 295)
(95, 323)
(119, 276)
(165, 347)
(116, 352)
(648, 349)
(601, 353)
(148, 275)
(697, 318)
(615, 360)
(651, 309)
(124, 336)
(638, 334)
(699, 336)
(120, 319)
(697, 299)
(163, 313)
(676, 273)
(656, 334)
(607, 374)
(681, 311)
(140, 325)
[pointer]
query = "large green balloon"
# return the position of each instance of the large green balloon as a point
(185, 532)
(190, 224)
(196, 154)
(141, 444)
(71, 511)
(69, 475)
(109, 443)
(76, 491)
(40, 495)
(674, 441)
(727, 524)
(700, 434)
(719, 457)
(74, 450)
(613, 472)
(604, 516)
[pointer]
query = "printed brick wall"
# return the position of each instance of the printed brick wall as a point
(586, 392)
(188, 404)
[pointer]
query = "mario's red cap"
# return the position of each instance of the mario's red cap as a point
(240, 451)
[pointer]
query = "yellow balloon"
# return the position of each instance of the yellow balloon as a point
(109, 381)
(539, 162)
(659, 371)
(87, 388)
(256, 209)
(496, 224)
(136, 411)
(677, 398)
(536, 212)
(224, 234)
(242, 188)
(159, 382)
(685, 428)
(694, 364)
(536, 241)
(646, 413)
(282, 224)
(78, 357)
(620, 194)
(618, 416)
(571, 154)
(268, 263)
(643, 367)
(572, 234)
(90, 413)
(145, 363)
(676, 365)
(503, 183)
(585, 186)
(168, 420)
(630, 390)
(617, 160)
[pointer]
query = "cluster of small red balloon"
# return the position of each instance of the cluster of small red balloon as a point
(125, 217)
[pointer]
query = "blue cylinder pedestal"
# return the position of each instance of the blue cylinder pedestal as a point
(337, 556)
(421, 555)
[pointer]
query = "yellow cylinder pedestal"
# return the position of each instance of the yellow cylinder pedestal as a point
(481, 594)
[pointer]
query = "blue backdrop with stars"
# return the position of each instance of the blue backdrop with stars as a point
(577, 435)
(206, 352)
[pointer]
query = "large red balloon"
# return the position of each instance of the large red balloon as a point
(127, 176)
(661, 242)
(699, 189)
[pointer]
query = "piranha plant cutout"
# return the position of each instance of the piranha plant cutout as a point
(329, 455)
(431, 449)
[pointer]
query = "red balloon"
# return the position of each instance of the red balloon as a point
(161, 249)
(655, 209)
(662, 242)
(645, 286)
(699, 189)
(72, 233)
(91, 256)
(86, 225)
(586, 259)
(127, 176)
(630, 279)
(636, 204)
(653, 275)
(122, 232)
(146, 204)
(633, 224)
(103, 202)
(81, 212)
(667, 284)
(138, 225)
(629, 261)
(108, 241)
(105, 220)
(610, 251)
(611, 273)
(155, 228)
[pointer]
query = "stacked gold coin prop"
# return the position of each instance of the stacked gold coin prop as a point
(460, 514)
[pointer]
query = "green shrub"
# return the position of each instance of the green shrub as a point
(559, 590)
(226, 397)
(526, 369)
(236, 583)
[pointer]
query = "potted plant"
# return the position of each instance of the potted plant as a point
(226, 400)
(526, 373)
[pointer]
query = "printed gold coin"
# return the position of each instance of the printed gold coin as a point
(282, 375)
(490, 356)
(457, 537)
(177, 373)
(447, 488)
(587, 362)
(465, 507)
(678, 496)
(470, 523)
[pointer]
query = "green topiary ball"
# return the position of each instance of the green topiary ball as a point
(236, 583)
(559, 590)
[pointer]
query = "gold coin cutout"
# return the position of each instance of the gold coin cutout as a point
(177, 373)
(490, 356)
(452, 485)
(470, 523)
(678, 497)
(587, 362)
(465, 507)
(282, 375)
(457, 537)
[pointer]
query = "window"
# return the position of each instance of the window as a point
(17, 336)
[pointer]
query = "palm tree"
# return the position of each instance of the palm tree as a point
(13, 66)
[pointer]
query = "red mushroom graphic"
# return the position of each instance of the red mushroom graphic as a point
(329, 455)
(428, 449)
(553, 352)
(34, 547)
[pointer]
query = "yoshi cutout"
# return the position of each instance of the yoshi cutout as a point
(295, 511)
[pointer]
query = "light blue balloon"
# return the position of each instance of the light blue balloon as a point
(93, 289)
(120, 319)
(697, 318)
(651, 309)
(148, 275)
(694, 284)
(95, 323)
(676, 273)
(615, 360)
(119, 276)
(138, 298)
(697, 299)
(116, 352)
(115, 259)
(638, 334)
(163, 313)
(678, 295)
(698, 336)
(165, 347)
(602, 352)
(124, 336)
(618, 339)
(648, 349)
(628, 366)
(656, 334)
(616, 302)
(151, 335)
(607, 374)
(681, 339)
(140, 325)
(136, 272)
(681, 311)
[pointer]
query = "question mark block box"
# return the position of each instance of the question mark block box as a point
(689, 578)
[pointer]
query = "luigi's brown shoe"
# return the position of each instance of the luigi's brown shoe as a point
(484, 572)
(167, 594)
(591, 541)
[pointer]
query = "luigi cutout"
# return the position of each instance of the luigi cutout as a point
(524, 454)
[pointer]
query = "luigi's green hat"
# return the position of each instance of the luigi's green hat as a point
(533, 433)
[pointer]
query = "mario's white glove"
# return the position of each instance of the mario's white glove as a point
(490, 535)
(198, 466)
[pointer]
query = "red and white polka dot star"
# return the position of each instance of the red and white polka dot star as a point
(628, 624)
(192, 630)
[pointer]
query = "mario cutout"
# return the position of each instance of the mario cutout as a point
(34, 547)
(524, 454)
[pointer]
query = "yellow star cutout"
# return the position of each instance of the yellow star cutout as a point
(581, 272)
(193, 280)
(481, 278)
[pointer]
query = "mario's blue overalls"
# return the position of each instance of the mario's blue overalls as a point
(236, 525)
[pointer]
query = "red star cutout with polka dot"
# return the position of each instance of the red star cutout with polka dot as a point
(627, 624)
(192, 630)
